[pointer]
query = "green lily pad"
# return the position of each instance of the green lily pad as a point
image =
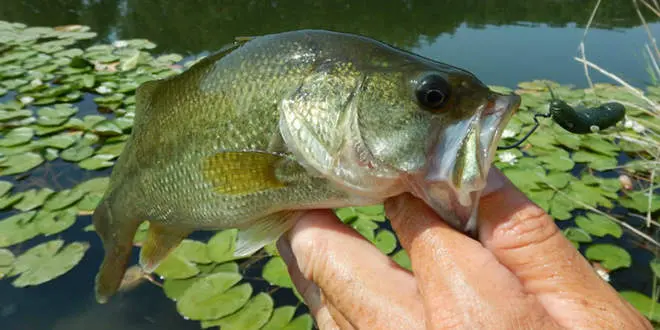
(252, 316)
(598, 144)
(280, 317)
(96, 162)
(385, 241)
(206, 299)
(112, 149)
(596, 161)
(275, 272)
(62, 199)
(89, 202)
(346, 214)
(6, 262)
(561, 207)
(639, 200)
(77, 153)
(95, 185)
(542, 198)
(559, 180)
(5, 187)
(577, 235)
(50, 154)
(643, 303)
(51, 121)
(107, 128)
(194, 251)
(33, 198)
(21, 163)
(222, 245)
(612, 257)
(59, 110)
(30, 257)
(51, 223)
(598, 225)
(302, 322)
(401, 257)
(557, 161)
(46, 267)
(375, 212)
(176, 267)
(365, 227)
(61, 140)
(9, 200)
(589, 195)
(17, 136)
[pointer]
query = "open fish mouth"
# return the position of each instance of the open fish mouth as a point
(460, 161)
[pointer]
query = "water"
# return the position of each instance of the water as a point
(502, 41)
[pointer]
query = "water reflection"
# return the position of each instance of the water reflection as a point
(198, 25)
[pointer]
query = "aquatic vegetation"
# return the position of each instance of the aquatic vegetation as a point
(64, 100)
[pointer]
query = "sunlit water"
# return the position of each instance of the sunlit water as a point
(503, 44)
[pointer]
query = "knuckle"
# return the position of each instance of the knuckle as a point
(530, 226)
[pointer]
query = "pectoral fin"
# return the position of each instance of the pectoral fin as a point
(243, 172)
(264, 231)
(159, 243)
(117, 237)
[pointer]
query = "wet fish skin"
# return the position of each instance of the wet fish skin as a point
(250, 136)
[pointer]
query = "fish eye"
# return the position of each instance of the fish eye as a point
(433, 91)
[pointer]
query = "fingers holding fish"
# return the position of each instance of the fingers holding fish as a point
(525, 239)
(357, 284)
(461, 282)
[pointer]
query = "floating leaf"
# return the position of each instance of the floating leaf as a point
(280, 318)
(96, 162)
(60, 141)
(194, 251)
(174, 288)
(206, 299)
(95, 185)
(275, 272)
(639, 200)
(47, 267)
(402, 258)
(112, 149)
(643, 303)
(5, 187)
(222, 245)
(577, 235)
(107, 128)
(9, 200)
(252, 316)
(302, 322)
(77, 153)
(21, 163)
(31, 257)
(63, 199)
(598, 225)
(33, 198)
(51, 223)
(176, 267)
(17, 136)
(385, 241)
(557, 162)
(6, 262)
(596, 161)
(89, 202)
(612, 257)
(365, 227)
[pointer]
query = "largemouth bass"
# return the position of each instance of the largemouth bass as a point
(255, 134)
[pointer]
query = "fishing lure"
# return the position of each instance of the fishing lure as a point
(590, 120)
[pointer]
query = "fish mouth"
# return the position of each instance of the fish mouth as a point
(460, 160)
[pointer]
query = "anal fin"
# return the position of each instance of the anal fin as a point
(160, 241)
(264, 231)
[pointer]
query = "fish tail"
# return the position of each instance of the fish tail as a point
(117, 237)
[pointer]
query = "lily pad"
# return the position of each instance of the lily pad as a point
(302, 322)
(275, 272)
(96, 162)
(21, 163)
(176, 267)
(46, 267)
(280, 317)
(401, 257)
(252, 316)
(207, 298)
(643, 303)
(174, 288)
(77, 153)
(596, 161)
(9, 200)
(577, 235)
(385, 241)
(639, 200)
(107, 128)
(51, 223)
(61, 140)
(63, 199)
(5, 187)
(113, 149)
(599, 225)
(95, 185)
(17, 136)
(612, 257)
(194, 251)
(33, 198)
(6, 262)
(222, 245)
(89, 202)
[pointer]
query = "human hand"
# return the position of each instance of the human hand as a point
(521, 274)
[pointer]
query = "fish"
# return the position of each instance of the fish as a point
(267, 127)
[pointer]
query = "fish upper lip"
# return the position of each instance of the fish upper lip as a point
(452, 186)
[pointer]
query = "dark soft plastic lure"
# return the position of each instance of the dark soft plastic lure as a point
(583, 121)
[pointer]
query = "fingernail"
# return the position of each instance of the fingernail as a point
(284, 247)
(494, 182)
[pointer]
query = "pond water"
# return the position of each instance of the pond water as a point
(503, 42)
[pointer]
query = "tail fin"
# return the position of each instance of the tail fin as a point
(117, 234)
